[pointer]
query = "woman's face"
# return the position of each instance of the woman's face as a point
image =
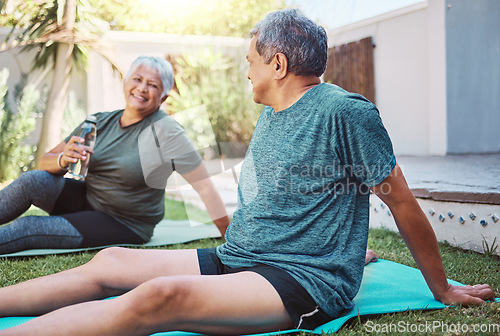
(143, 91)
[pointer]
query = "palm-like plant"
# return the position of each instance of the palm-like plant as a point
(62, 32)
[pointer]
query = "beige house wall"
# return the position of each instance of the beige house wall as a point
(410, 74)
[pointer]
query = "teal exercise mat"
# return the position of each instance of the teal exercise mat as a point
(167, 232)
(387, 287)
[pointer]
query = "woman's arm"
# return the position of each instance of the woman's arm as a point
(203, 185)
(58, 159)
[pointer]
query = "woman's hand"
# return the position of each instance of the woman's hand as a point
(58, 159)
(74, 151)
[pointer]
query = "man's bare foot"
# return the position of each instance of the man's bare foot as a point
(370, 257)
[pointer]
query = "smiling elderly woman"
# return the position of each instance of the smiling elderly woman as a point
(116, 203)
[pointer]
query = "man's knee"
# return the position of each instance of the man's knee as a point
(163, 294)
(99, 268)
(102, 264)
(108, 256)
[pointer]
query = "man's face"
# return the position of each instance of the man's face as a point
(260, 75)
(143, 90)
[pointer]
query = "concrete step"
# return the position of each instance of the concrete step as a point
(460, 194)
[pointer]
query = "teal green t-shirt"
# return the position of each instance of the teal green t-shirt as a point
(303, 194)
(130, 166)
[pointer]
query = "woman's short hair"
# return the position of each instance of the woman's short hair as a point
(161, 65)
(291, 33)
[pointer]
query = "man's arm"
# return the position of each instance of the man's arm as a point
(203, 185)
(421, 240)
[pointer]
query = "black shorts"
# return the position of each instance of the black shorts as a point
(97, 228)
(301, 307)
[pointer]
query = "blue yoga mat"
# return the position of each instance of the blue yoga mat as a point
(387, 287)
(167, 232)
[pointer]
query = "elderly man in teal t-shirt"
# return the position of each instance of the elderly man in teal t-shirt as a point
(295, 249)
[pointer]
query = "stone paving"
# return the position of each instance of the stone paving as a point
(466, 178)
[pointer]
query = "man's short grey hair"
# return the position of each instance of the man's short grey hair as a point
(159, 64)
(291, 33)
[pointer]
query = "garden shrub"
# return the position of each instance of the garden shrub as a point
(17, 122)
(218, 84)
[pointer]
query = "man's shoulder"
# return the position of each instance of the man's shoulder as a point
(339, 94)
(332, 99)
(330, 89)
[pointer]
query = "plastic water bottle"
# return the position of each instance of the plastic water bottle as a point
(79, 169)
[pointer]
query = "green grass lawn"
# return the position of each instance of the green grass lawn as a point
(463, 266)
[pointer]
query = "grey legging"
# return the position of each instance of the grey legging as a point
(41, 189)
(73, 223)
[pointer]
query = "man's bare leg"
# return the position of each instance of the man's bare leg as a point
(111, 272)
(219, 304)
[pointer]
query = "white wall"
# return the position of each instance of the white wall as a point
(17, 63)
(473, 76)
(410, 77)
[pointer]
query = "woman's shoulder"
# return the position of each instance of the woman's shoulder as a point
(166, 120)
(160, 114)
(103, 116)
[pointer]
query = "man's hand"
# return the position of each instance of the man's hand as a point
(419, 236)
(467, 295)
